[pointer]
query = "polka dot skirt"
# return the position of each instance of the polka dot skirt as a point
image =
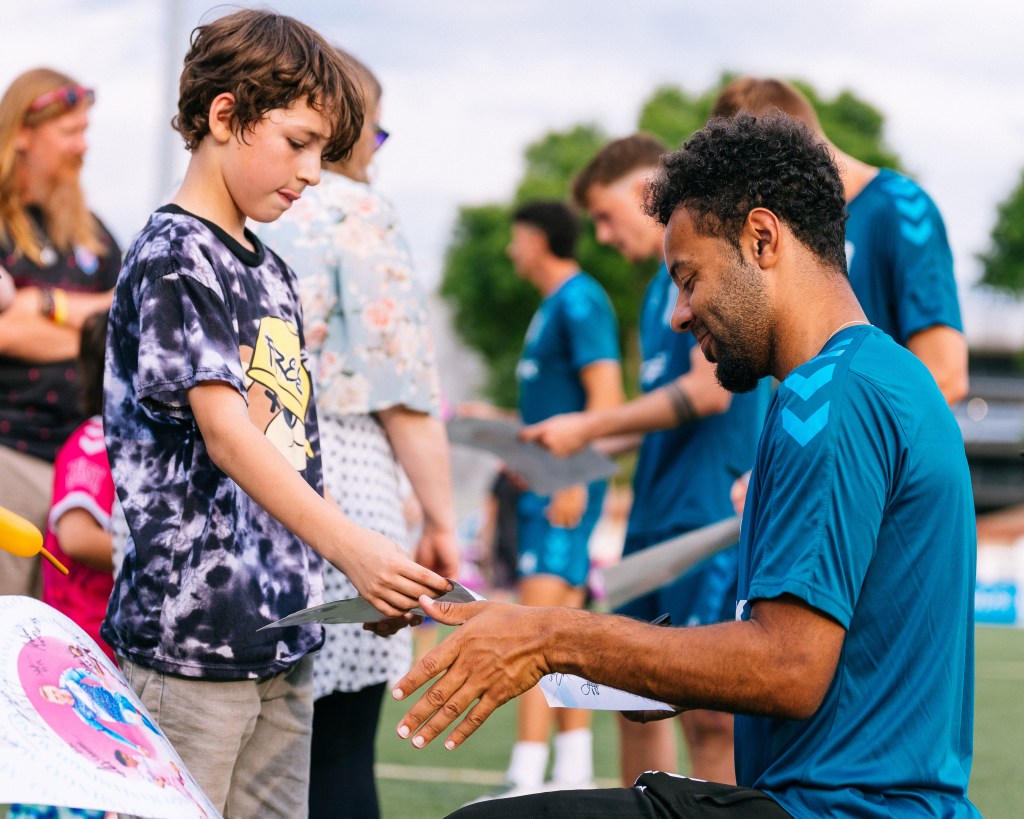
(361, 474)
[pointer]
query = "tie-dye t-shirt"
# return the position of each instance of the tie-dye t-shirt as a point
(205, 565)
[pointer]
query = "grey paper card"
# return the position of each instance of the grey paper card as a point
(544, 472)
(358, 610)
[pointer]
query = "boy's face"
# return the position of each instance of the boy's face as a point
(270, 168)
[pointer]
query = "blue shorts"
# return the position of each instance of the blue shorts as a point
(547, 549)
(705, 594)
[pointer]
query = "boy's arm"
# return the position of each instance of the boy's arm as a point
(378, 569)
(696, 394)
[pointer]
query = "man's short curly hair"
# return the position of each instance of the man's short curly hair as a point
(732, 166)
(267, 61)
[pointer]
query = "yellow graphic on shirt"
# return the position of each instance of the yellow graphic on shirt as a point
(278, 387)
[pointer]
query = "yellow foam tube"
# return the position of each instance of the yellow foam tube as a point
(20, 537)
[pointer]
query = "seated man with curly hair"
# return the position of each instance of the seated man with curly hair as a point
(850, 662)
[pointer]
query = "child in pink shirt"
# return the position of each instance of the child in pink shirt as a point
(78, 526)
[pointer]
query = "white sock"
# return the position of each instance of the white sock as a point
(528, 763)
(574, 757)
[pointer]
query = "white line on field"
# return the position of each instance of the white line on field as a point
(462, 776)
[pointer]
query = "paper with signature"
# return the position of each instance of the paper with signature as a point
(570, 691)
(544, 472)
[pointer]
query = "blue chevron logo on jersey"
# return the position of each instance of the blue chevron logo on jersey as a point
(806, 387)
(803, 432)
(836, 351)
(912, 209)
(917, 234)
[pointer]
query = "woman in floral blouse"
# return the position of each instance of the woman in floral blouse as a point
(378, 403)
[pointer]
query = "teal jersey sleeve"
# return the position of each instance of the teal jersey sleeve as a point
(900, 263)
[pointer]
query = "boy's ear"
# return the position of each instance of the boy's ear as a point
(222, 111)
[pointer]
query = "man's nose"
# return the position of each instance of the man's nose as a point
(682, 315)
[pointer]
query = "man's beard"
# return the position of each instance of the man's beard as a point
(735, 372)
(66, 216)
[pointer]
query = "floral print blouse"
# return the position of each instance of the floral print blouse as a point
(365, 311)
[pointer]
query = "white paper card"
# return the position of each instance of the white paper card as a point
(73, 733)
(570, 691)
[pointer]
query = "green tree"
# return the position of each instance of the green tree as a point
(1003, 263)
(492, 307)
(855, 126)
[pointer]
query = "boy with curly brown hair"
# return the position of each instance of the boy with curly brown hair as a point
(212, 432)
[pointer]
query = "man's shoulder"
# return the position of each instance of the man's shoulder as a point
(860, 367)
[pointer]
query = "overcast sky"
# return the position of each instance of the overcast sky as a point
(468, 83)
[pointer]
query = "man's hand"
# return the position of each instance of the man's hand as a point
(496, 655)
(563, 435)
(567, 506)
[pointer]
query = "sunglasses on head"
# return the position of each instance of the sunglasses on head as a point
(380, 136)
(67, 96)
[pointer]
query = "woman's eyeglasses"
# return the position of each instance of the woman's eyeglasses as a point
(67, 96)
(380, 136)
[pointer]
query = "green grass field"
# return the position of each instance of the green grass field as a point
(433, 782)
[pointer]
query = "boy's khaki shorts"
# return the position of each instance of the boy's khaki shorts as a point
(246, 743)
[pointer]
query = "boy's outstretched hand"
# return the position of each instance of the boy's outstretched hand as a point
(496, 655)
(384, 575)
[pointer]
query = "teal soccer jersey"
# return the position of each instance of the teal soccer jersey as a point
(573, 327)
(900, 264)
(860, 505)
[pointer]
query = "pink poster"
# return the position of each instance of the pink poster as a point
(73, 733)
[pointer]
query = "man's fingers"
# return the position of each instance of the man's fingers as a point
(439, 707)
(430, 665)
(476, 717)
(449, 613)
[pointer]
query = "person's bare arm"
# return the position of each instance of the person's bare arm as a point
(778, 663)
(26, 334)
(943, 350)
(84, 540)
(420, 444)
(602, 384)
(696, 394)
(378, 568)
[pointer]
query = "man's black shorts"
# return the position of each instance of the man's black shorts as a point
(654, 796)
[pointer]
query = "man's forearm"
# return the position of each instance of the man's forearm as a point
(739, 666)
